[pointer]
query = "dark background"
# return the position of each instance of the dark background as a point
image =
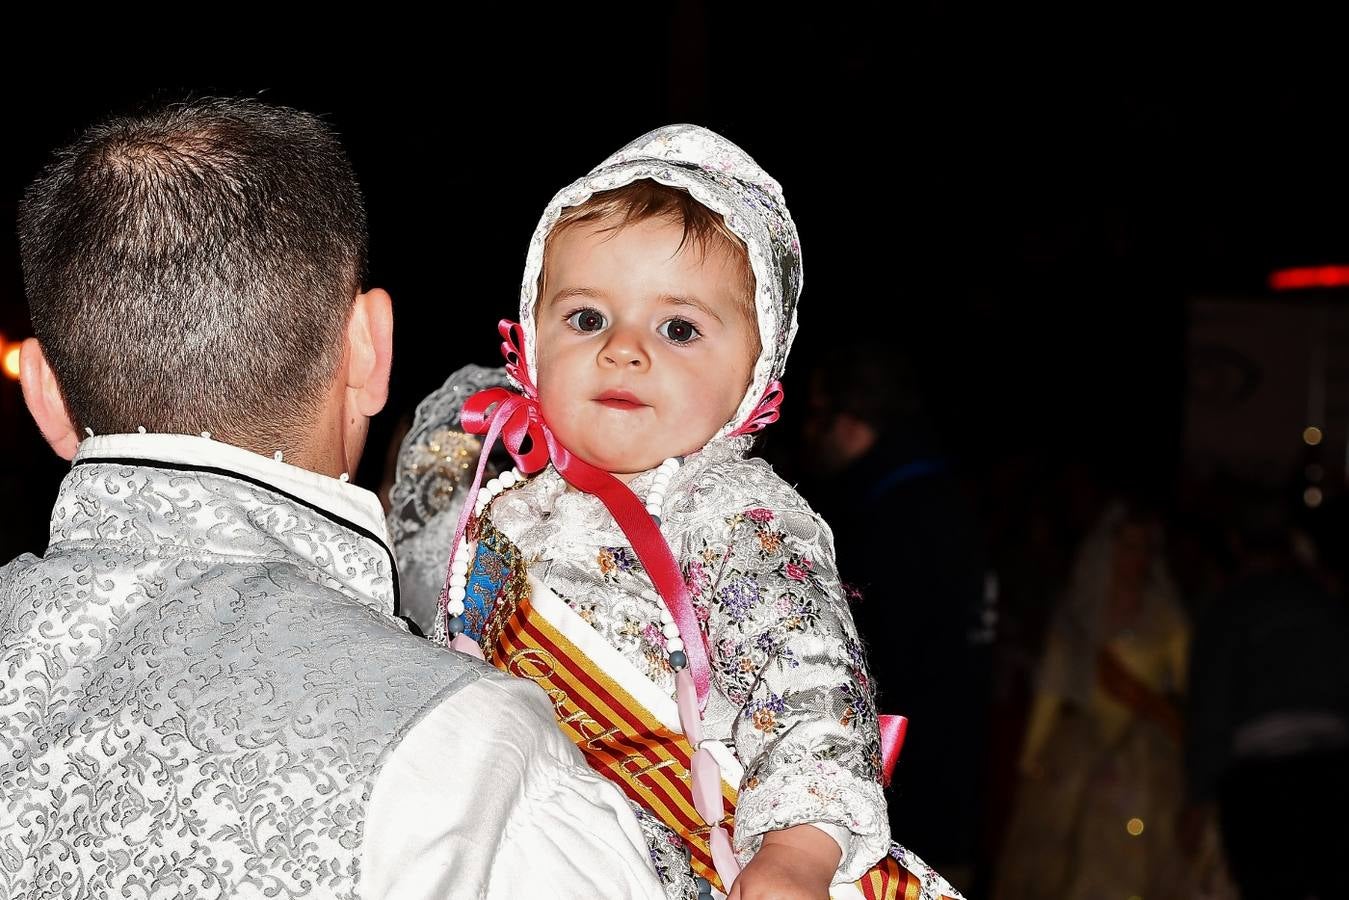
(1024, 217)
(1025, 221)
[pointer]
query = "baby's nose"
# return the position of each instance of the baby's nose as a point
(625, 352)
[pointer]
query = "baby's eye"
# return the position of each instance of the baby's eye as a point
(681, 331)
(586, 320)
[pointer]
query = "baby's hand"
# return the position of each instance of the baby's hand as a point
(795, 863)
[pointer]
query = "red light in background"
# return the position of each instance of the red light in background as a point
(1309, 277)
(9, 359)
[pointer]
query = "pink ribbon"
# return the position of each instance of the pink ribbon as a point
(893, 729)
(518, 420)
(765, 412)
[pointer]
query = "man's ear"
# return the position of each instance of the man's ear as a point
(45, 403)
(370, 350)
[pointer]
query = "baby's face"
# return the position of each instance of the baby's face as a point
(643, 350)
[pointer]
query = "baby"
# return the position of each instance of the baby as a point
(685, 615)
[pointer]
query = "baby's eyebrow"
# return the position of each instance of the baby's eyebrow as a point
(677, 300)
(569, 293)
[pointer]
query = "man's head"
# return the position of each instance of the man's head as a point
(198, 267)
(859, 393)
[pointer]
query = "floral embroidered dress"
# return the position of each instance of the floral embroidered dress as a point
(792, 696)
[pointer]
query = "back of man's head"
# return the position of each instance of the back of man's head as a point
(192, 267)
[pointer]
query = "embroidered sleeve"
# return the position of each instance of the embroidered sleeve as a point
(785, 651)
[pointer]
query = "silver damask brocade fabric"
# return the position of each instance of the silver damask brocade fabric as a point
(198, 685)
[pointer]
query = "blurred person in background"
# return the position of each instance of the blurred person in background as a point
(1101, 761)
(1268, 740)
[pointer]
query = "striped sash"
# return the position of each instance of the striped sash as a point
(628, 728)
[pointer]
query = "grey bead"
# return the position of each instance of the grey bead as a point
(655, 518)
(455, 626)
(678, 660)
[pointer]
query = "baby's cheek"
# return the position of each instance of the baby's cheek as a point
(554, 407)
(549, 378)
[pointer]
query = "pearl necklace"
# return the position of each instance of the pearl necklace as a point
(464, 553)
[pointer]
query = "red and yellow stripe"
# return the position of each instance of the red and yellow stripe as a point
(630, 747)
(615, 734)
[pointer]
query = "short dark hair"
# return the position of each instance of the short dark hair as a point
(192, 268)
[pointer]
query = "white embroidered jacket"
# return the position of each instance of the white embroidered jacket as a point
(204, 693)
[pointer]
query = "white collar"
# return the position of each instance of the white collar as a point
(341, 499)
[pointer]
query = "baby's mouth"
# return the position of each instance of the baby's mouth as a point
(625, 400)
